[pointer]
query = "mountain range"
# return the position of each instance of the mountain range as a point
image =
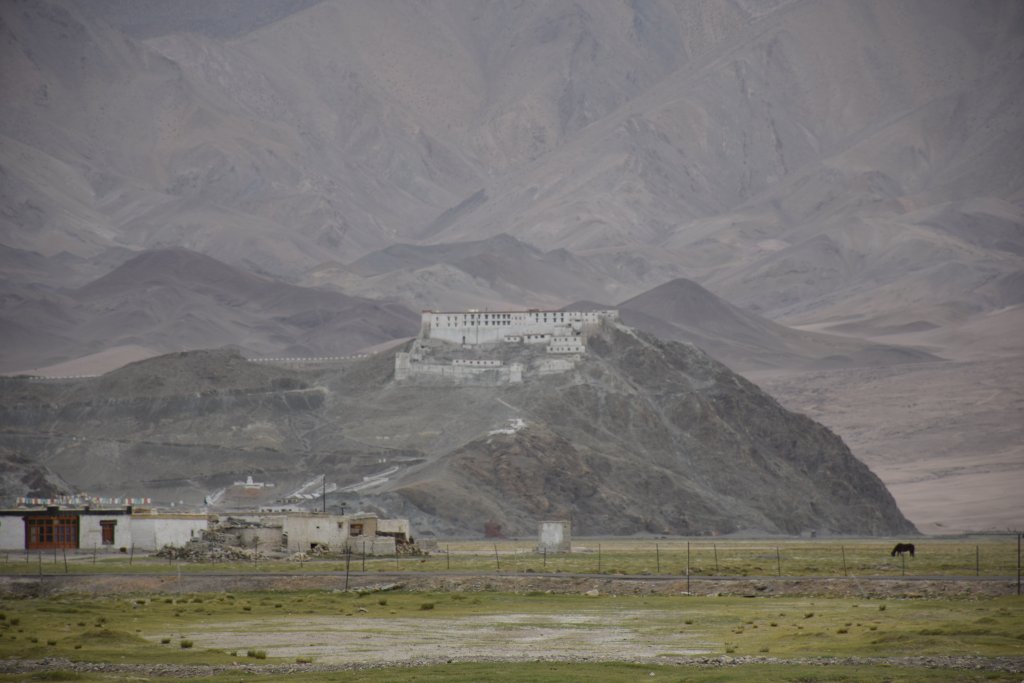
(814, 191)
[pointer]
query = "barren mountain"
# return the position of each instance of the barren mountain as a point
(174, 298)
(685, 311)
(642, 436)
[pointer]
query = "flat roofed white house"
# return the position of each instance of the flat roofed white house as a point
(71, 528)
(493, 327)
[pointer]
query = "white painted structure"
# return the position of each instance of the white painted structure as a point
(492, 327)
(360, 533)
(152, 531)
(87, 528)
(563, 334)
(555, 537)
(116, 528)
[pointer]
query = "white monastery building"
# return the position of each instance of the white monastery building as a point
(534, 326)
(561, 336)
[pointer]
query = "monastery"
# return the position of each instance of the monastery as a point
(497, 347)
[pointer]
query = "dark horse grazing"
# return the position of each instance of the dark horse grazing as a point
(903, 548)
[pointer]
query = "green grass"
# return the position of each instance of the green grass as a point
(594, 673)
(988, 555)
(120, 629)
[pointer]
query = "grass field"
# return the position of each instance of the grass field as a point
(537, 636)
(982, 556)
(398, 628)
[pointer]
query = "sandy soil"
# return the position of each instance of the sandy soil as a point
(93, 364)
(946, 438)
(597, 635)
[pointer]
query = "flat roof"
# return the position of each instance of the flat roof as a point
(529, 310)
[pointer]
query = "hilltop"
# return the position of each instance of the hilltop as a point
(640, 436)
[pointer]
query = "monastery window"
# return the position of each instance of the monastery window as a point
(107, 531)
(356, 530)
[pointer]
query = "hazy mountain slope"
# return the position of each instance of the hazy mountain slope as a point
(497, 272)
(830, 121)
(749, 143)
(175, 299)
(642, 436)
(683, 310)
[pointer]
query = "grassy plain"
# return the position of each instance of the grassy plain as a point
(967, 556)
(340, 628)
(406, 636)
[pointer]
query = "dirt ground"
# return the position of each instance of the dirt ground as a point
(520, 583)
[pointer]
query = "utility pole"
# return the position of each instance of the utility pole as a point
(325, 493)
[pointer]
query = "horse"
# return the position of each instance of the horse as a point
(903, 548)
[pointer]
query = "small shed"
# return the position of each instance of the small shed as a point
(555, 537)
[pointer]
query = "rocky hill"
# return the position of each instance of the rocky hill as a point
(641, 436)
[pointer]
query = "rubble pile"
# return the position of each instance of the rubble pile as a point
(214, 546)
(203, 551)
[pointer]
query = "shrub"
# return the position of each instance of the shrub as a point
(165, 641)
(881, 608)
(427, 605)
(186, 644)
(256, 654)
(303, 660)
(808, 615)
(382, 602)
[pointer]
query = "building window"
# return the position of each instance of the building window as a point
(51, 532)
(107, 531)
(356, 530)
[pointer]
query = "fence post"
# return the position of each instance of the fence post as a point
(65, 551)
(348, 561)
(977, 560)
(903, 557)
(497, 562)
(1018, 564)
(657, 558)
(778, 561)
(598, 558)
(687, 567)
(843, 549)
(131, 555)
(714, 546)
(448, 556)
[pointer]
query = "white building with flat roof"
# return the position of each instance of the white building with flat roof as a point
(493, 327)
